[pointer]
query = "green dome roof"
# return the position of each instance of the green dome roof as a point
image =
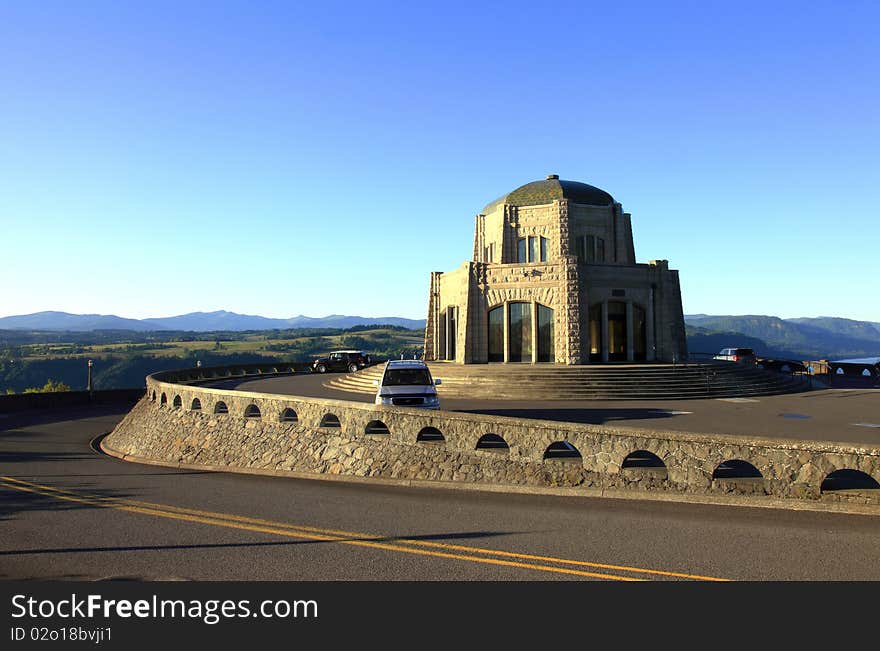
(551, 188)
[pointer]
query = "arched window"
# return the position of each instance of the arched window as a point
(289, 416)
(376, 427)
(493, 443)
(562, 450)
(196, 405)
(252, 411)
(430, 435)
(847, 479)
(221, 408)
(736, 469)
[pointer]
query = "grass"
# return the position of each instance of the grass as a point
(255, 343)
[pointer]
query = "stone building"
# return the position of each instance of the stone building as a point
(554, 278)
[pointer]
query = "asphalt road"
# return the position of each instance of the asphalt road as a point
(67, 511)
(839, 415)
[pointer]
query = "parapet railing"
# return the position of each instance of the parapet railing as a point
(690, 461)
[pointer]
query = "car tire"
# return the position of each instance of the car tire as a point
(352, 368)
(321, 368)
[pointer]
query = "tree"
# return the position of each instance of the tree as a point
(51, 386)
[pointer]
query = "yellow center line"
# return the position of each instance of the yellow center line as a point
(310, 536)
(344, 537)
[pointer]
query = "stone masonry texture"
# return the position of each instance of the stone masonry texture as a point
(161, 432)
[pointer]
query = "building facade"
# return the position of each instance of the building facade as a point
(554, 279)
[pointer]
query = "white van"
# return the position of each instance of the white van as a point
(407, 383)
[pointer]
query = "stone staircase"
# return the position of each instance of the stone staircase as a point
(598, 382)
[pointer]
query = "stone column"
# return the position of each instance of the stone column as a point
(605, 333)
(506, 333)
(650, 344)
(630, 344)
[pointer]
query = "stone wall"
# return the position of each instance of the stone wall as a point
(391, 442)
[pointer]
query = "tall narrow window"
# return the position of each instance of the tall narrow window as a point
(591, 248)
(533, 248)
(600, 250)
(520, 335)
(543, 249)
(545, 334)
(452, 333)
(496, 334)
(596, 332)
(521, 250)
(581, 249)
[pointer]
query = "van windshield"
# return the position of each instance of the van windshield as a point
(406, 376)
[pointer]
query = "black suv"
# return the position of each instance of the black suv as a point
(341, 360)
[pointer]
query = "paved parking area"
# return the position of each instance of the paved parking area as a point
(839, 415)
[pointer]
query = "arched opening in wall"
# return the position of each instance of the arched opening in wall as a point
(562, 451)
(376, 427)
(177, 403)
(493, 443)
(736, 469)
(430, 435)
(642, 463)
(221, 408)
(163, 400)
(252, 411)
(849, 480)
(196, 405)
(153, 397)
(330, 420)
(289, 416)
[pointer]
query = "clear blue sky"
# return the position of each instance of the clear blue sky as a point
(281, 158)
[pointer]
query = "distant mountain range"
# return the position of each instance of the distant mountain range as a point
(192, 322)
(770, 336)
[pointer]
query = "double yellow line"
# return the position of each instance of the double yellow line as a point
(404, 545)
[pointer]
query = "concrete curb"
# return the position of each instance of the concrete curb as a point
(602, 493)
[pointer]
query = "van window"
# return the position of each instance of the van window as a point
(406, 376)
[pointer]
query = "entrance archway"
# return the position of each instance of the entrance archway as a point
(529, 333)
